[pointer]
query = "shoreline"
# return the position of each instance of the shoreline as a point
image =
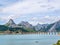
(40, 33)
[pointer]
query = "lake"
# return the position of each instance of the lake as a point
(29, 39)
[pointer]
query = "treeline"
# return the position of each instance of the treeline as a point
(5, 28)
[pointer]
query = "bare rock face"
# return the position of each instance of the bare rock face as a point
(25, 24)
(55, 27)
(40, 27)
(10, 23)
(52, 29)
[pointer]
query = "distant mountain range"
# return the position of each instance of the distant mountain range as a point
(27, 27)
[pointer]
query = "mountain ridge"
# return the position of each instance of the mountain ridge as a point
(54, 27)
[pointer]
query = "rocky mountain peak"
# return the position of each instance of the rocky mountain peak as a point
(10, 23)
(55, 26)
(25, 24)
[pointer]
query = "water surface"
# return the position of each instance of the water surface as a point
(29, 39)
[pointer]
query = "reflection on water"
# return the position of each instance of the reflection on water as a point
(29, 39)
(43, 33)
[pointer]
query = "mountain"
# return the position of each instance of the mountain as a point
(25, 24)
(41, 27)
(27, 27)
(55, 27)
(10, 23)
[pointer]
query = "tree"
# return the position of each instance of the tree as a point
(58, 42)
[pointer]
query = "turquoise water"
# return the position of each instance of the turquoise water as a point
(31, 39)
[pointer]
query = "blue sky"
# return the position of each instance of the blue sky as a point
(33, 11)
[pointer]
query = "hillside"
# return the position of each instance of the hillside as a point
(24, 26)
(3, 28)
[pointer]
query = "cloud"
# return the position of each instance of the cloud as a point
(32, 6)
(24, 7)
(7, 17)
(44, 19)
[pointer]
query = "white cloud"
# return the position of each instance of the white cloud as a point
(7, 17)
(47, 16)
(32, 6)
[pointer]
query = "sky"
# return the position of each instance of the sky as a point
(33, 11)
